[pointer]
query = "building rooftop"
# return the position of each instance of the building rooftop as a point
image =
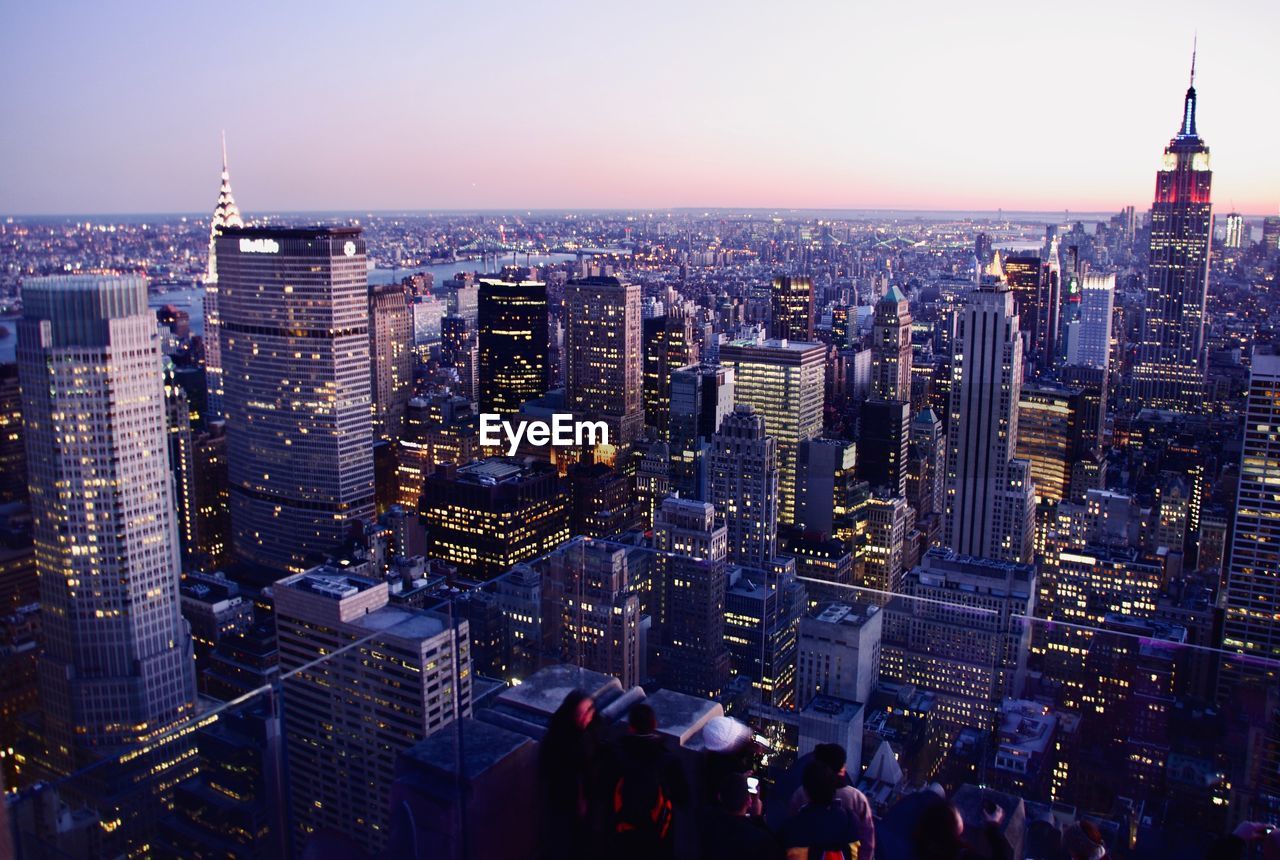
(832, 708)
(326, 581)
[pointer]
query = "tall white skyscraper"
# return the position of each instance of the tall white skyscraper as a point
(744, 486)
(990, 501)
(295, 348)
(117, 671)
(225, 214)
(1092, 346)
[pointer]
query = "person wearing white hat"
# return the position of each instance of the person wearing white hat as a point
(728, 748)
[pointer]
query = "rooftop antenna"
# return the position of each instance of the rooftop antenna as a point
(1195, 38)
(224, 149)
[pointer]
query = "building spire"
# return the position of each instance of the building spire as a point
(225, 214)
(1189, 103)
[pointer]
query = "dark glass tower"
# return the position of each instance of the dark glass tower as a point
(1170, 369)
(513, 344)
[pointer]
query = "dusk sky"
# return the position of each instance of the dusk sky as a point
(116, 107)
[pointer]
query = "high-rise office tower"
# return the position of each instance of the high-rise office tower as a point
(182, 463)
(513, 344)
(1271, 234)
(783, 381)
(401, 675)
(827, 484)
(390, 358)
(792, 308)
(117, 672)
(668, 345)
(1092, 345)
(1048, 326)
(295, 349)
(603, 355)
(1025, 275)
(762, 608)
(1169, 372)
(884, 430)
(587, 590)
(744, 486)
(491, 514)
(13, 458)
(1252, 623)
(1050, 436)
(225, 214)
(691, 580)
(990, 505)
(889, 522)
(1234, 234)
(891, 347)
(701, 397)
(1092, 382)
(982, 246)
(957, 631)
(927, 470)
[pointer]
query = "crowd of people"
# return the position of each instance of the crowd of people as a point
(634, 796)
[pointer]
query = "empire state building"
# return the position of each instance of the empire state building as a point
(1169, 372)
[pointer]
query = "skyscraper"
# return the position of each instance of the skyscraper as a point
(1234, 233)
(603, 355)
(491, 514)
(513, 344)
(1050, 436)
(390, 358)
(1025, 275)
(990, 506)
(1169, 372)
(701, 397)
(1048, 327)
(225, 214)
(744, 487)
(792, 308)
(1251, 626)
(691, 579)
(295, 338)
(365, 680)
(1092, 345)
(783, 381)
(891, 347)
(596, 609)
(116, 674)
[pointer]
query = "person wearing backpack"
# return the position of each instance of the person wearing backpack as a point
(646, 789)
(834, 756)
(823, 829)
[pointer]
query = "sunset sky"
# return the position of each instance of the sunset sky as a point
(116, 107)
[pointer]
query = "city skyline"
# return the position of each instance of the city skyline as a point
(685, 117)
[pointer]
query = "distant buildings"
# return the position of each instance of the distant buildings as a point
(891, 348)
